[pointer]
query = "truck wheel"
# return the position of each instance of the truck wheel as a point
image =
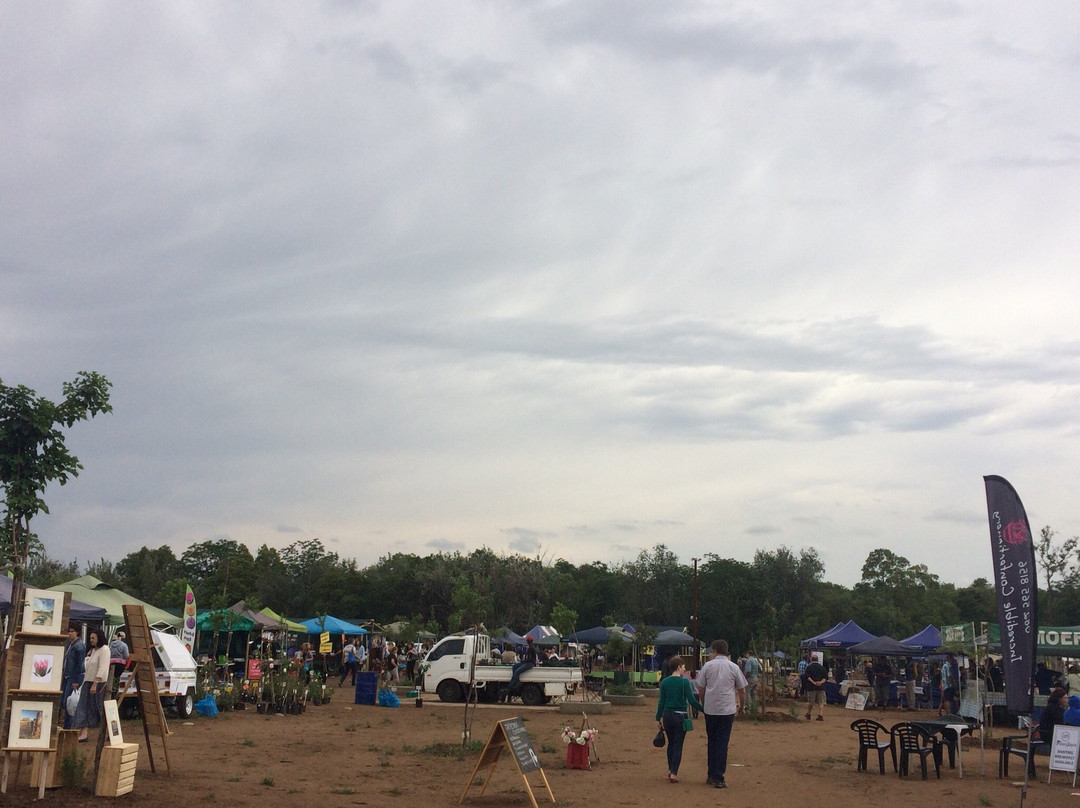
(448, 690)
(185, 705)
(532, 695)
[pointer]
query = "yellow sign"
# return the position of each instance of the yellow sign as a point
(325, 646)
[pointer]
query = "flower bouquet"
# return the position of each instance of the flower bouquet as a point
(578, 746)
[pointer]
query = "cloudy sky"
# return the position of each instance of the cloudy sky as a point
(568, 279)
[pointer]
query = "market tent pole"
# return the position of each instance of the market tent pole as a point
(978, 701)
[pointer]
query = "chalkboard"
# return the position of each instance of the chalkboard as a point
(520, 744)
(510, 733)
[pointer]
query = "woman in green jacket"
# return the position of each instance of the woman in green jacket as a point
(672, 710)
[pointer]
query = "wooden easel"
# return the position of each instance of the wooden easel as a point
(509, 733)
(42, 760)
(143, 674)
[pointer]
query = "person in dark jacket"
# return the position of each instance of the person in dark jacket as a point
(74, 666)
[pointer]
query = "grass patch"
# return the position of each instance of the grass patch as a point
(343, 790)
(447, 750)
(72, 770)
(247, 742)
(268, 782)
(548, 748)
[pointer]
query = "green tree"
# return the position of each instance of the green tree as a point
(32, 455)
(564, 619)
(1058, 562)
(470, 606)
(219, 567)
(144, 572)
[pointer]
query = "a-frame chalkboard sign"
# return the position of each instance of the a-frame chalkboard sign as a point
(509, 733)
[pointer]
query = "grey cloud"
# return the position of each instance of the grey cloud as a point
(445, 545)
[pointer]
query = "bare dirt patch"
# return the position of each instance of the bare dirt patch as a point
(344, 754)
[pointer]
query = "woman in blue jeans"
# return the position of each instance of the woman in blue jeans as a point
(672, 709)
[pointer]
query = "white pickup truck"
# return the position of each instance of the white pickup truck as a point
(175, 669)
(448, 665)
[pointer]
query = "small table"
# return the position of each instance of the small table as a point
(950, 723)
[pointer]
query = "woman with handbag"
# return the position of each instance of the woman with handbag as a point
(672, 713)
(92, 695)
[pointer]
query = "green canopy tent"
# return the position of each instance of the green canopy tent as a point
(89, 589)
(284, 622)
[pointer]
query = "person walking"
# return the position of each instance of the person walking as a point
(816, 676)
(722, 686)
(672, 712)
(349, 662)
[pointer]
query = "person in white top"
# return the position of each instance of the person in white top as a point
(723, 693)
(95, 684)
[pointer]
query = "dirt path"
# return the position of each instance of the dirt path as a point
(343, 754)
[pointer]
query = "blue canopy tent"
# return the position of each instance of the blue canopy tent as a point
(849, 634)
(884, 646)
(317, 625)
(673, 636)
(927, 641)
(812, 641)
(508, 637)
(600, 635)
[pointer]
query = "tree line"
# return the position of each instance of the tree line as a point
(770, 602)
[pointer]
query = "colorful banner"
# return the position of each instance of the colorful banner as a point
(187, 630)
(1017, 593)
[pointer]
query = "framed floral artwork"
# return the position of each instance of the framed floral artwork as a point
(31, 724)
(42, 667)
(43, 612)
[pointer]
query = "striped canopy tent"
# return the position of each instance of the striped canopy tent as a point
(544, 635)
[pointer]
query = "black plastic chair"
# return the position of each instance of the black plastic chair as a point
(868, 739)
(1018, 745)
(911, 739)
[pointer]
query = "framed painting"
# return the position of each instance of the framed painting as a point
(42, 667)
(31, 724)
(112, 723)
(43, 612)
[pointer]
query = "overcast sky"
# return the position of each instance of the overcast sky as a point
(566, 279)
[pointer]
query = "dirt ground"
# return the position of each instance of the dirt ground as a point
(344, 754)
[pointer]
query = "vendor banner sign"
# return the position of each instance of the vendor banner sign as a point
(1049, 640)
(1017, 596)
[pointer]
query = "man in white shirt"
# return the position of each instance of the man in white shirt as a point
(722, 686)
